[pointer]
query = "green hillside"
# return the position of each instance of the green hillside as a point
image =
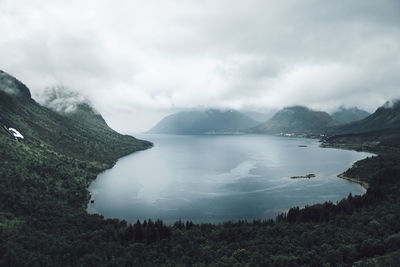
(297, 120)
(204, 122)
(44, 176)
(82, 134)
(347, 115)
(43, 198)
(385, 117)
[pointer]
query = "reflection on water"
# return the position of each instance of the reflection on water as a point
(218, 178)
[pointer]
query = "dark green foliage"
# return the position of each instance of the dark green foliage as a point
(385, 141)
(43, 196)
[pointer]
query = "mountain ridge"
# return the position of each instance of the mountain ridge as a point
(296, 120)
(347, 115)
(385, 117)
(203, 122)
(43, 218)
(41, 125)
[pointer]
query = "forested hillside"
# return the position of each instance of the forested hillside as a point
(43, 197)
(385, 117)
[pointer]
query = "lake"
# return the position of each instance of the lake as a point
(215, 178)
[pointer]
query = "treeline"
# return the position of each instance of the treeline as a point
(146, 232)
(43, 219)
(43, 223)
(383, 185)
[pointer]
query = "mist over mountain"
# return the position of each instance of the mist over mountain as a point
(12, 86)
(79, 131)
(297, 120)
(260, 116)
(62, 99)
(204, 122)
(247, 172)
(385, 117)
(347, 115)
(44, 179)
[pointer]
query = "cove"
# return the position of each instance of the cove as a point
(216, 178)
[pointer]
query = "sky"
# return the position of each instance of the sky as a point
(137, 61)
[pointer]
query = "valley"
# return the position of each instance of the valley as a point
(43, 193)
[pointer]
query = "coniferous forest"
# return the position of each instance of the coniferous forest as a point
(43, 198)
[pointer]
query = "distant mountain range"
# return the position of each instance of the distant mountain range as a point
(260, 116)
(385, 117)
(379, 132)
(347, 115)
(296, 120)
(204, 122)
(45, 175)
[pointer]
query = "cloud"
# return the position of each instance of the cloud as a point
(144, 59)
(7, 84)
(61, 99)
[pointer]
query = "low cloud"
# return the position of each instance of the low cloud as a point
(392, 103)
(61, 99)
(144, 59)
(7, 84)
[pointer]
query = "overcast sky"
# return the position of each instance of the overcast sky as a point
(137, 61)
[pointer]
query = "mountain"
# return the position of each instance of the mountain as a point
(81, 133)
(347, 115)
(11, 86)
(204, 122)
(43, 200)
(385, 117)
(48, 158)
(260, 116)
(296, 120)
(379, 141)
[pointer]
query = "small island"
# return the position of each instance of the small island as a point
(311, 175)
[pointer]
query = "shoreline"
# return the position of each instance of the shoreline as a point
(356, 148)
(364, 185)
(89, 197)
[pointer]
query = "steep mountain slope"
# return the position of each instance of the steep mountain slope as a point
(297, 120)
(385, 117)
(203, 122)
(43, 197)
(44, 177)
(347, 115)
(82, 133)
(11, 86)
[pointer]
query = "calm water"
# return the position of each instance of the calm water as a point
(219, 178)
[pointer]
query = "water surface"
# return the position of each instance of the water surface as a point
(214, 178)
